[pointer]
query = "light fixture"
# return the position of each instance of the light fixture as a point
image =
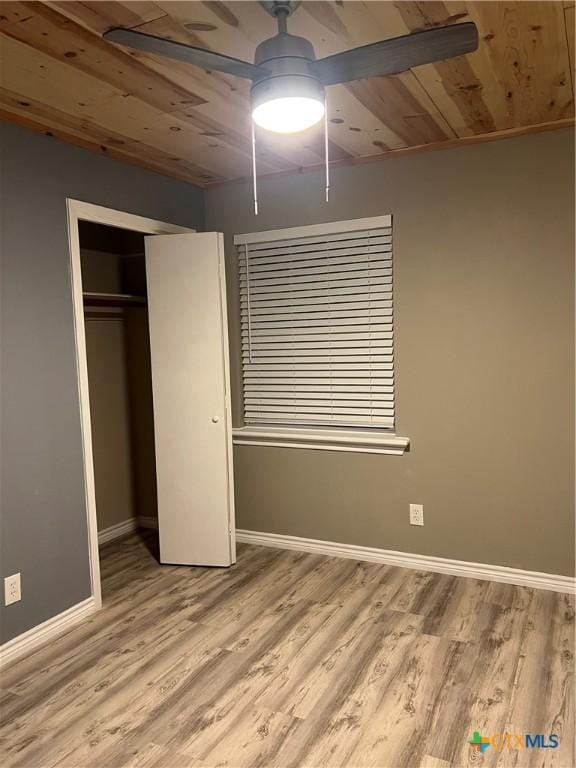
(288, 114)
(287, 101)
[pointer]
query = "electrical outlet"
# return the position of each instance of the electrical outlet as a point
(416, 514)
(12, 591)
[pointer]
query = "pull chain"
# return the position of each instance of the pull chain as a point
(254, 182)
(326, 148)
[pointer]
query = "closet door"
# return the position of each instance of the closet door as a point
(190, 384)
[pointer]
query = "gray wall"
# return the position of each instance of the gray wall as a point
(484, 279)
(111, 419)
(43, 520)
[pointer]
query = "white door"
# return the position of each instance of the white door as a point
(190, 384)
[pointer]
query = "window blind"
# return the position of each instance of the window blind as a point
(317, 325)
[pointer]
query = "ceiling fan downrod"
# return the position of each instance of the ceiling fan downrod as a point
(280, 10)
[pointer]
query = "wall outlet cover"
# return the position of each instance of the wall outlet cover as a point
(12, 589)
(416, 514)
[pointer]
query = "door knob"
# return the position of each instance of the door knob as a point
(215, 419)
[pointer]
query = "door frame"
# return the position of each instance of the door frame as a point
(77, 211)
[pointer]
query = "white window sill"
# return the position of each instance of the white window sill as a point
(322, 439)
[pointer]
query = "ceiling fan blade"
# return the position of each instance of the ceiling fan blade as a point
(171, 49)
(389, 57)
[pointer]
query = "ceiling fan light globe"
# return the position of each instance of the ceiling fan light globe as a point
(288, 114)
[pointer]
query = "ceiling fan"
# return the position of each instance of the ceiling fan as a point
(288, 82)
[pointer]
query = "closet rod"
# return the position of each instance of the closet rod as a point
(112, 299)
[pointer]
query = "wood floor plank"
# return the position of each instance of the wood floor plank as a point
(542, 702)
(330, 739)
(301, 683)
(486, 705)
(395, 734)
(456, 616)
(226, 699)
(252, 741)
(433, 762)
(424, 593)
(83, 726)
(292, 660)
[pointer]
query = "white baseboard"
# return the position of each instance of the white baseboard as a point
(126, 527)
(118, 530)
(500, 573)
(29, 641)
(148, 522)
(484, 571)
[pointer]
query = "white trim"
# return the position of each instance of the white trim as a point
(329, 228)
(322, 439)
(227, 397)
(117, 531)
(148, 522)
(98, 214)
(29, 641)
(79, 211)
(484, 571)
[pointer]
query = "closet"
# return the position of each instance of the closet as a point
(119, 376)
(152, 340)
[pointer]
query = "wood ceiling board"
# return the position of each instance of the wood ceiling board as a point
(235, 90)
(393, 103)
(234, 28)
(36, 75)
(531, 63)
(463, 88)
(354, 127)
(425, 107)
(49, 81)
(343, 24)
(48, 31)
(484, 91)
(518, 75)
(99, 17)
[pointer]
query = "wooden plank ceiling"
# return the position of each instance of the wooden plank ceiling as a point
(58, 76)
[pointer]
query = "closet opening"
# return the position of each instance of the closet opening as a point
(117, 337)
(151, 336)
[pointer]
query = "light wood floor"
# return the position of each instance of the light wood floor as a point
(290, 659)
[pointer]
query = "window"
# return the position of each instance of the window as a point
(317, 326)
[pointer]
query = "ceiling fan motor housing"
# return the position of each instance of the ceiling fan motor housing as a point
(288, 61)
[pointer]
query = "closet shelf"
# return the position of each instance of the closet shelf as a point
(112, 299)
